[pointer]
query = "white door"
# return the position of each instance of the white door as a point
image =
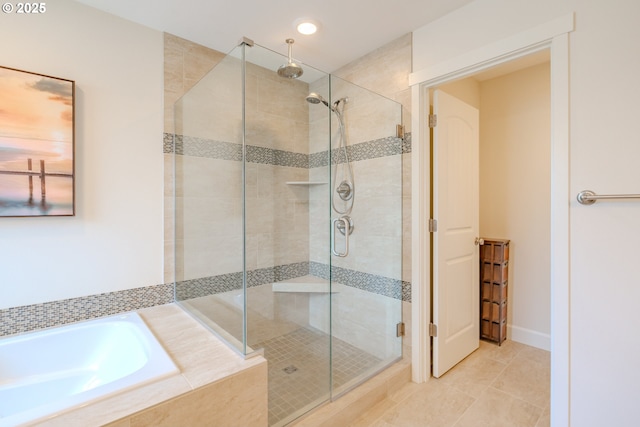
(455, 253)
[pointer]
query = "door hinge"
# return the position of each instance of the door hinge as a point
(433, 120)
(433, 225)
(400, 131)
(400, 329)
(433, 330)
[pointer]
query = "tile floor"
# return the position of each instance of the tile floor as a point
(299, 370)
(507, 386)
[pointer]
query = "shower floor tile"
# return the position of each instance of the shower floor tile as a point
(299, 368)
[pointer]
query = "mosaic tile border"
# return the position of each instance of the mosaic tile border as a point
(200, 147)
(269, 156)
(28, 318)
(384, 147)
(195, 288)
(392, 288)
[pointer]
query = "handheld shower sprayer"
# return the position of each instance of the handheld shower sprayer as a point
(345, 189)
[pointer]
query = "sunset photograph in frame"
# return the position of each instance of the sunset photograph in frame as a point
(36, 144)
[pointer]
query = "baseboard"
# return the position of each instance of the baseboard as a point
(529, 337)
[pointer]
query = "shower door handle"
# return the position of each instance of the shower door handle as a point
(345, 222)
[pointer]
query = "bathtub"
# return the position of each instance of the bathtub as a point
(46, 373)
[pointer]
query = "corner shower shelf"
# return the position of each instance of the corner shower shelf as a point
(305, 183)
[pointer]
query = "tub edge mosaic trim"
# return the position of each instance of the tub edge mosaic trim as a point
(29, 318)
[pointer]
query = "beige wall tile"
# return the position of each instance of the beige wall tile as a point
(197, 255)
(184, 63)
(404, 98)
(369, 116)
(370, 325)
(169, 264)
(266, 92)
(173, 69)
(385, 70)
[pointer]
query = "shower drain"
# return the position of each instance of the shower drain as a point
(290, 369)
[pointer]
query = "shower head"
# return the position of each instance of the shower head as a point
(314, 98)
(290, 70)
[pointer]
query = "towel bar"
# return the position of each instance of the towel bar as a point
(587, 197)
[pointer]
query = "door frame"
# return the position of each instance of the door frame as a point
(554, 36)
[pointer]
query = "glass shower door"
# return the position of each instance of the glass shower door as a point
(286, 199)
(366, 274)
(208, 180)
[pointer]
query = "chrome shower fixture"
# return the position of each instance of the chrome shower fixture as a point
(290, 70)
(314, 98)
(345, 189)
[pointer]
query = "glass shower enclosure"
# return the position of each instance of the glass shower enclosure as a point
(288, 222)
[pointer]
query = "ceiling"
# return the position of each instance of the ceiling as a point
(349, 29)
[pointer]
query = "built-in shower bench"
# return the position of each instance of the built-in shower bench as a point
(307, 284)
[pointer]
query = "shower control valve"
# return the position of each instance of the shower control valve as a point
(341, 224)
(345, 190)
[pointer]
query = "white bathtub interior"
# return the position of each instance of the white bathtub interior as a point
(46, 373)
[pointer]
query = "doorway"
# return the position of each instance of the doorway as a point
(513, 181)
(555, 37)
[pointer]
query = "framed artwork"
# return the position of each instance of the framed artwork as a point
(36, 144)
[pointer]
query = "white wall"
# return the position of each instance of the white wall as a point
(115, 241)
(604, 151)
(515, 115)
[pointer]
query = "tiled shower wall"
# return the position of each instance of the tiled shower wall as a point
(209, 176)
(375, 155)
(386, 71)
(185, 63)
(287, 235)
(278, 214)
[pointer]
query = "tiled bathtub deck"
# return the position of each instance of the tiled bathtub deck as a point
(213, 383)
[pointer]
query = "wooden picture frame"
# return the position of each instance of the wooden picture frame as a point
(37, 133)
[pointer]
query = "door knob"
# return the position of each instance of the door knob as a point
(479, 241)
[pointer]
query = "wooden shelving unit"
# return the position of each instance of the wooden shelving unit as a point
(494, 277)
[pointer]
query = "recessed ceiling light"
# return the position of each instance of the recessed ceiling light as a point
(306, 26)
